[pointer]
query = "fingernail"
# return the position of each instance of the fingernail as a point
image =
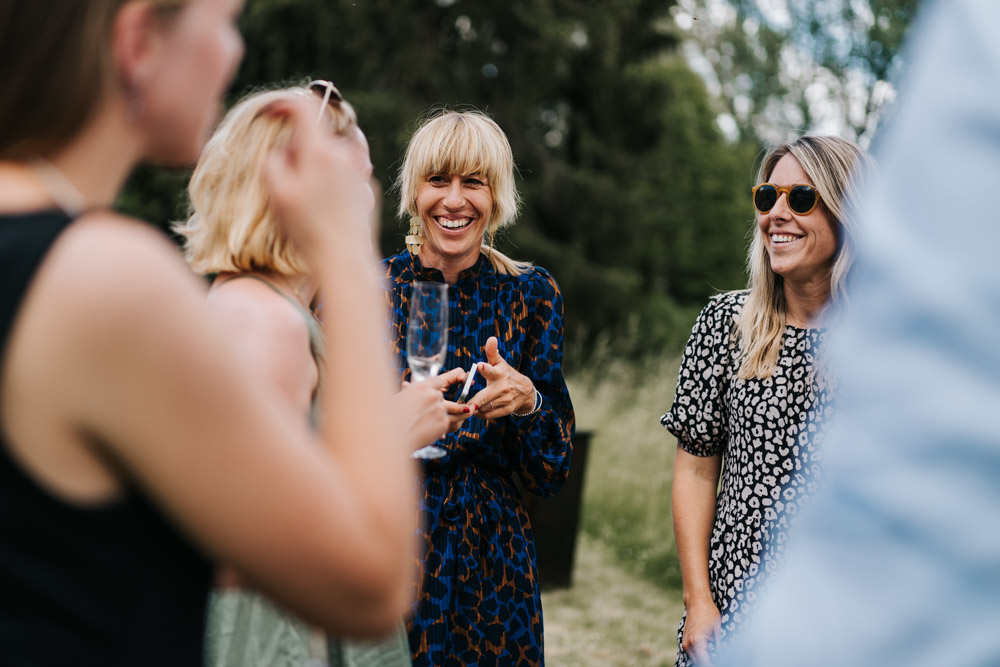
(476, 406)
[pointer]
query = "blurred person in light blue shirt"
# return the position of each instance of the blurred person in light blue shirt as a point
(898, 561)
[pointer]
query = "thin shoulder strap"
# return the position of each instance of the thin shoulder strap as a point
(316, 345)
(274, 287)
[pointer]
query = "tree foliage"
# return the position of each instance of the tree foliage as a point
(633, 198)
(785, 67)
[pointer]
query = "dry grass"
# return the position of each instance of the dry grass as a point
(625, 602)
(630, 467)
(611, 617)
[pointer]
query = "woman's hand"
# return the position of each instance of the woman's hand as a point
(314, 183)
(458, 413)
(506, 390)
(423, 412)
(700, 627)
(696, 479)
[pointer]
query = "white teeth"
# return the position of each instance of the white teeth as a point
(447, 223)
(782, 238)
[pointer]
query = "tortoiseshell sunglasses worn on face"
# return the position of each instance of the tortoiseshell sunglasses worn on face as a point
(802, 199)
(328, 92)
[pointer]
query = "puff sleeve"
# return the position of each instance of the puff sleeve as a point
(541, 444)
(699, 417)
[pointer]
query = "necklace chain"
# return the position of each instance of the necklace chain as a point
(64, 194)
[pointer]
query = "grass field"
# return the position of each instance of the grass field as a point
(625, 602)
(626, 502)
(611, 617)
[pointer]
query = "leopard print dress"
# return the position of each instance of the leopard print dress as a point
(478, 602)
(769, 433)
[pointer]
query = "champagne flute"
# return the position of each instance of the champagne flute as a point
(427, 341)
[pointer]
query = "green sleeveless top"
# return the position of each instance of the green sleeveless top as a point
(245, 629)
(317, 347)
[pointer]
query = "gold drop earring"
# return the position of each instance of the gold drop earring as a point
(414, 239)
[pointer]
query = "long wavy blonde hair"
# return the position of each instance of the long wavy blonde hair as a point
(837, 168)
(464, 143)
(231, 225)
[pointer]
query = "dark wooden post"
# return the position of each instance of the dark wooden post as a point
(556, 520)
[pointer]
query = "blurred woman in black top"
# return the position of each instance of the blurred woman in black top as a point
(133, 442)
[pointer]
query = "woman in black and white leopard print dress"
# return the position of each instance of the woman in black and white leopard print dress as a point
(752, 398)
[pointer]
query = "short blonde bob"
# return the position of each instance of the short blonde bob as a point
(464, 143)
(838, 169)
(231, 227)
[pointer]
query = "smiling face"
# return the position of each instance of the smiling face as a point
(458, 179)
(455, 211)
(801, 247)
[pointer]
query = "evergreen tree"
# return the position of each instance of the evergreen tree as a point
(633, 199)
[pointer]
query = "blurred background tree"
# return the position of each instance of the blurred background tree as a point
(787, 66)
(635, 199)
(636, 126)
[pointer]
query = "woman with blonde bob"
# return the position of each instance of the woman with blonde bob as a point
(137, 446)
(232, 227)
(263, 289)
(479, 601)
(752, 393)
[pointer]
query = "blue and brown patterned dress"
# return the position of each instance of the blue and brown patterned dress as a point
(478, 603)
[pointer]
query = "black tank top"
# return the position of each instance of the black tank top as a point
(113, 584)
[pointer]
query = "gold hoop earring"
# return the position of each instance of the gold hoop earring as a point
(414, 239)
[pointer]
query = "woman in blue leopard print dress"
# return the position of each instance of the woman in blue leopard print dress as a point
(478, 601)
(753, 397)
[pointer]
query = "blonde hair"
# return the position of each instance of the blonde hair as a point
(231, 225)
(64, 68)
(837, 168)
(464, 143)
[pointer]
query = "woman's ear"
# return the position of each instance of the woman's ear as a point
(136, 46)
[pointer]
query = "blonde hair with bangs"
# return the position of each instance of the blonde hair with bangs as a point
(464, 143)
(837, 168)
(231, 227)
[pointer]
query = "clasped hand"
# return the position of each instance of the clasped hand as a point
(427, 417)
(424, 413)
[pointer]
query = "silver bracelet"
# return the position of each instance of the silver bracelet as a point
(535, 408)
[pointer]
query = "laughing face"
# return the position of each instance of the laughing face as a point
(802, 248)
(454, 210)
